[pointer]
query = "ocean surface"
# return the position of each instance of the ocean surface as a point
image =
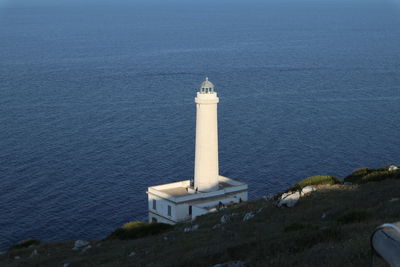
(97, 101)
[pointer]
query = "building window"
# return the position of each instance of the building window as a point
(190, 210)
(154, 204)
(169, 210)
(153, 220)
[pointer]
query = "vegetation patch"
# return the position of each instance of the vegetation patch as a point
(312, 238)
(25, 243)
(353, 217)
(133, 230)
(380, 176)
(316, 180)
(357, 175)
(297, 227)
(365, 175)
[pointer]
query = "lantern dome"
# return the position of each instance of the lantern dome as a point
(207, 87)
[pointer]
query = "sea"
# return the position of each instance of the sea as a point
(97, 101)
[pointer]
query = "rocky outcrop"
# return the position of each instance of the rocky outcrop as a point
(80, 243)
(290, 199)
(191, 228)
(393, 168)
(248, 216)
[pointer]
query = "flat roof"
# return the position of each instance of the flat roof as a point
(176, 191)
(181, 191)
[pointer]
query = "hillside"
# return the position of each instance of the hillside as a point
(328, 227)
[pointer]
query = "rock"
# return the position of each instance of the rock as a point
(132, 254)
(259, 210)
(226, 218)
(394, 199)
(3, 252)
(248, 216)
(34, 253)
(81, 243)
(269, 197)
(288, 199)
(86, 249)
(231, 264)
(348, 183)
(393, 168)
(308, 189)
(216, 226)
(17, 258)
(165, 238)
(98, 245)
(323, 216)
(236, 264)
(66, 265)
(192, 228)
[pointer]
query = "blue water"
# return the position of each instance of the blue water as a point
(96, 101)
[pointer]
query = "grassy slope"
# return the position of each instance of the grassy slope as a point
(297, 236)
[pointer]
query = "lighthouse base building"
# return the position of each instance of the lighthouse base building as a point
(175, 202)
(208, 191)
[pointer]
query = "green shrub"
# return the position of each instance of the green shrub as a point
(316, 180)
(25, 243)
(380, 176)
(352, 217)
(134, 230)
(357, 175)
(365, 175)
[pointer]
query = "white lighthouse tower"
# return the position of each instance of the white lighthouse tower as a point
(185, 200)
(206, 159)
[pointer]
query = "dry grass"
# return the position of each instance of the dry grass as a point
(133, 230)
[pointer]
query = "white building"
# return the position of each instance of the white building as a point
(185, 200)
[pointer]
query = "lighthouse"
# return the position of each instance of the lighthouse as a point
(206, 158)
(207, 191)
